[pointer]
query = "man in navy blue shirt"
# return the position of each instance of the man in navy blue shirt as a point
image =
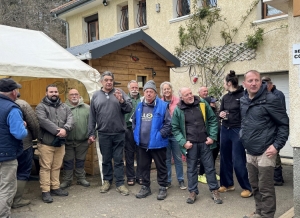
(12, 131)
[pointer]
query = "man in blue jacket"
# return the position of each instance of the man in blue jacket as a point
(12, 131)
(264, 131)
(151, 127)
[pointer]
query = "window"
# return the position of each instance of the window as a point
(92, 28)
(141, 81)
(124, 18)
(209, 3)
(183, 7)
(141, 16)
(269, 11)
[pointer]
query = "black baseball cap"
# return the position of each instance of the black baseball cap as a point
(7, 85)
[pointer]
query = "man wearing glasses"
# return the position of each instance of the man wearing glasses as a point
(76, 141)
(107, 109)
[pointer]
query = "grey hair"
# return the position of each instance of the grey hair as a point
(132, 81)
(179, 92)
(162, 85)
(107, 73)
(6, 93)
(201, 88)
(251, 71)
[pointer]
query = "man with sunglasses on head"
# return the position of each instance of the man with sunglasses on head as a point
(107, 109)
(12, 131)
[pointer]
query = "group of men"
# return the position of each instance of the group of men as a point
(141, 125)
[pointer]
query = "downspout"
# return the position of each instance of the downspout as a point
(67, 29)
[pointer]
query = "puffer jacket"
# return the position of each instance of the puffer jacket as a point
(31, 119)
(80, 113)
(264, 122)
(52, 116)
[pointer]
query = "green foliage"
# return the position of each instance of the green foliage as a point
(253, 41)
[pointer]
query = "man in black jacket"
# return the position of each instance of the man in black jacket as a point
(278, 178)
(264, 131)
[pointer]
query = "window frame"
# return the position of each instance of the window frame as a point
(264, 12)
(124, 19)
(179, 10)
(141, 16)
(93, 19)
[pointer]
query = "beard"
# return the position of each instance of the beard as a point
(53, 98)
(134, 93)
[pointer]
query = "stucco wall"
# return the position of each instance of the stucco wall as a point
(271, 56)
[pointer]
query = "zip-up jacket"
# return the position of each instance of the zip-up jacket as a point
(128, 116)
(231, 102)
(160, 125)
(52, 116)
(210, 120)
(80, 113)
(264, 122)
(12, 129)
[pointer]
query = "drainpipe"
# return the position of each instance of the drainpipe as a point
(67, 29)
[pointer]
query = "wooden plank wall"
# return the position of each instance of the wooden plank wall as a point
(125, 69)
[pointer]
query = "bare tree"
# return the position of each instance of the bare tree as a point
(34, 15)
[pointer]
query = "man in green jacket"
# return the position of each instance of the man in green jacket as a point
(76, 141)
(195, 127)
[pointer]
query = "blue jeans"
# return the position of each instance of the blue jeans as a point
(233, 156)
(25, 164)
(111, 147)
(202, 151)
(174, 150)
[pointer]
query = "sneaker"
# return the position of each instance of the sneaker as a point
(47, 198)
(169, 185)
(202, 179)
(122, 190)
(192, 198)
(223, 189)
(83, 182)
(181, 185)
(144, 192)
(105, 186)
(162, 193)
(59, 192)
(252, 215)
(246, 193)
(216, 197)
(217, 177)
(65, 184)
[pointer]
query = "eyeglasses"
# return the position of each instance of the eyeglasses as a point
(107, 96)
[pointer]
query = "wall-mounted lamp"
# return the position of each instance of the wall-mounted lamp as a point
(153, 72)
(105, 3)
(134, 58)
(157, 7)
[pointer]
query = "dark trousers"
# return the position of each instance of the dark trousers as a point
(202, 151)
(25, 164)
(111, 147)
(130, 150)
(278, 170)
(233, 156)
(215, 153)
(159, 156)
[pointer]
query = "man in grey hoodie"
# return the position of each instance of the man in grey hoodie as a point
(107, 109)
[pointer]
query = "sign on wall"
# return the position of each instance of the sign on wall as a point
(296, 54)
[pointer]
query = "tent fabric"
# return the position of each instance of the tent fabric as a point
(32, 53)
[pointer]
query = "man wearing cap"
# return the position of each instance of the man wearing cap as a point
(278, 178)
(12, 131)
(56, 121)
(107, 110)
(151, 126)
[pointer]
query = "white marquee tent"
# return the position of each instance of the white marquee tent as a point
(33, 54)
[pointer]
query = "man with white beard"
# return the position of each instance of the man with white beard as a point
(130, 145)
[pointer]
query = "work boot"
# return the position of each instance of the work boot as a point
(162, 194)
(83, 182)
(18, 201)
(122, 190)
(47, 198)
(144, 192)
(105, 187)
(192, 198)
(59, 192)
(65, 184)
(216, 197)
